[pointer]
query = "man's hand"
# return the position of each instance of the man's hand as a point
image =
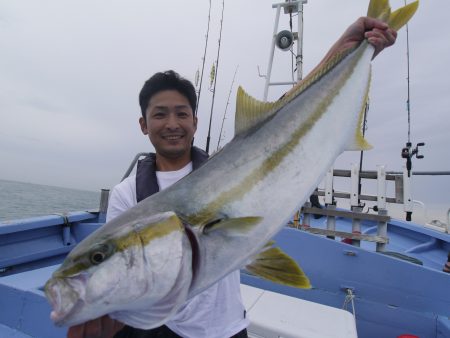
(375, 31)
(103, 327)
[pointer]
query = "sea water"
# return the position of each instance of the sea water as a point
(21, 200)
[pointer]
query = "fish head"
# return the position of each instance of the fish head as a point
(129, 269)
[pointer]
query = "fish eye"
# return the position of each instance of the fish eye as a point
(97, 257)
(99, 254)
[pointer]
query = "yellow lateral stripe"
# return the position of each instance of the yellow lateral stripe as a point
(142, 236)
(146, 234)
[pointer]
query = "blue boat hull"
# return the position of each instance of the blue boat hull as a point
(391, 296)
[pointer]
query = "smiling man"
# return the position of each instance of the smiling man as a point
(168, 120)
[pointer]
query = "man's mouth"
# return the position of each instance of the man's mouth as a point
(172, 137)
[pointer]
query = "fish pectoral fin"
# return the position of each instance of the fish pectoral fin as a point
(276, 266)
(250, 111)
(232, 226)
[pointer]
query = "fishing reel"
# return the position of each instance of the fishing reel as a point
(409, 152)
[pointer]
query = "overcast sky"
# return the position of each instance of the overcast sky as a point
(71, 72)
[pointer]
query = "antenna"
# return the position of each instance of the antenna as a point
(284, 39)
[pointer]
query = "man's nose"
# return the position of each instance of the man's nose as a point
(172, 121)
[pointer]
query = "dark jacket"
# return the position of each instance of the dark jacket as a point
(146, 182)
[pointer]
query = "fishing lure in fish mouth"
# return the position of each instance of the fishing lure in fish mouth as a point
(142, 266)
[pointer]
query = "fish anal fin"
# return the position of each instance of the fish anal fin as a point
(276, 266)
(250, 111)
(358, 142)
(232, 226)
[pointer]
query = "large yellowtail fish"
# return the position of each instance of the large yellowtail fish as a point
(142, 266)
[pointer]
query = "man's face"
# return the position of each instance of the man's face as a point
(170, 124)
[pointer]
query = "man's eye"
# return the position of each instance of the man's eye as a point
(159, 115)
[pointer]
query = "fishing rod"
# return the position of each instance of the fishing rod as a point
(204, 59)
(361, 155)
(408, 152)
(226, 107)
(215, 80)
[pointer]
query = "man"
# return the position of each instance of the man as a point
(167, 105)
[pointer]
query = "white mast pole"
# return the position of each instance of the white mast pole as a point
(289, 6)
(272, 51)
(299, 58)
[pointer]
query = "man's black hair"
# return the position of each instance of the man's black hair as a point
(168, 80)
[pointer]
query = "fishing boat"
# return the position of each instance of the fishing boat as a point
(372, 275)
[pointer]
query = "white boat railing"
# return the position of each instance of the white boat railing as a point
(402, 195)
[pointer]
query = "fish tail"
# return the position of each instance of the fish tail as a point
(380, 9)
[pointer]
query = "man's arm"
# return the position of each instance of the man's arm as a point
(103, 327)
(375, 31)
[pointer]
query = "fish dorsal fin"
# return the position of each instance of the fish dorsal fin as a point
(402, 15)
(250, 111)
(359, 142)
(276, 266)
(232, 226)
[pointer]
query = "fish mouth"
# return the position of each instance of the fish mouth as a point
(56, 290)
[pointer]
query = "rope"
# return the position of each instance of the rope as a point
(349, 299)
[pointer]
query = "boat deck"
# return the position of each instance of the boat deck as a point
(25, 310)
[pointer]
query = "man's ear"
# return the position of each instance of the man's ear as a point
(143, 125)
(195, 122)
